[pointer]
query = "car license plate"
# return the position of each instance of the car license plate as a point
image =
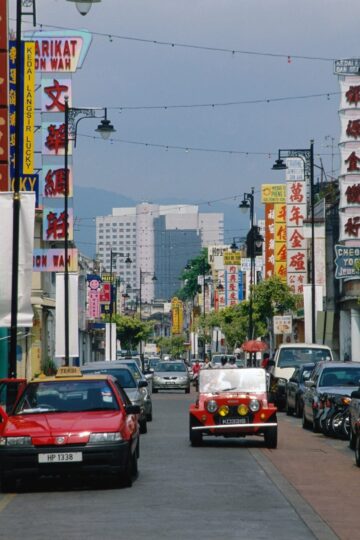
(60, 457)
(234, 421)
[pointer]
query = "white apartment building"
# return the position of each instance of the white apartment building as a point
(152, 235)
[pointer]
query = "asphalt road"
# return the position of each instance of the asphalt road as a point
(225, 489)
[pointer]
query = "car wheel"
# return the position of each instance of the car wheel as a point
(187, 390)
(149, 417)
(352, 439)
(270, 437)
(134, 465)
(155, 390)
(316, 426)
(305, 422)
(143, 426)
(357, 450)
(126, 477)
(196, 437)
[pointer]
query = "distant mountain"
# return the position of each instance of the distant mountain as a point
(92, 202)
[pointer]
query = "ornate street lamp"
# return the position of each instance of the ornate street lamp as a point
(83, 6)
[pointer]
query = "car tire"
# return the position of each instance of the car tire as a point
(126, 477)
(196, 437)
(149, 417)
(316, 426)
(357, 450)
(187, 390)
(134, 465)
(298, 409)
(154, 390)
(352, 439)
(270, 437)
(143, 426)
(305, 422)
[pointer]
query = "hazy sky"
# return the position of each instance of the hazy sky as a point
(120, 73)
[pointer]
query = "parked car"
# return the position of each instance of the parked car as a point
(354, 417)
(68, 424)
(289, 356)
(172, 375)
(233, 403)
(333, 379)
(132, 386)
(295, 389)
(145, 389)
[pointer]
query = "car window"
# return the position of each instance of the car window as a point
(134, 370)
(292, 357)
(66, 396)
(171, 367)
(123, 394)
(340, 376)
(232, 380)
(123, 376)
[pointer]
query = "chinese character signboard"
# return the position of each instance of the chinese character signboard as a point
(53, 93)
(93, 289)
(54, 181)
(4, 101)
(269, 240)
(282, 324)
(295, 215)
(232, 257)
(54, 224)
(231, 285)
(177, 316)
(280, 240)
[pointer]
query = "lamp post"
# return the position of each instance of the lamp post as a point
(248, 203)
(83, 6)
(114, 254)
(105, 128)
(307, 156)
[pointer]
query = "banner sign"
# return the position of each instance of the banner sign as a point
(53, 260)
(347, 261)
(280, 241)
(30, 182)
(26, 242)
(29, 108)
(231, 285)
(53, 93)
(269, 240)
(93, 288)
(349, 66)
(177, 316)
(282, 324)
(53, 181)
(60, 51)
(273, 193)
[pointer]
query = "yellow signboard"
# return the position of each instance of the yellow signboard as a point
(273, 193)
(177, 316)
(29, 107)
(232, 257)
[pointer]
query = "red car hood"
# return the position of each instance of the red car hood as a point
(73, 427)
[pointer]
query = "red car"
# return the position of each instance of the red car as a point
(68, 424)
(233, 402)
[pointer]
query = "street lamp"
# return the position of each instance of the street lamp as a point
(307, 156)
(83, 6)
(71, 113)
(253, 241)
(114, 254)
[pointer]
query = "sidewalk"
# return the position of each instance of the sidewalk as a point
(323, 473)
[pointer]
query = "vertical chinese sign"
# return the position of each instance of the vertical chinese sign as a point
(231, 284)
(272, 194)
(280, 240)
(296, 213)
(4, 100)
(177, 316)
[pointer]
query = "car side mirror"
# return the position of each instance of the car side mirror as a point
(142, 384)
(310, 384)
(355, 394)
(132, 409)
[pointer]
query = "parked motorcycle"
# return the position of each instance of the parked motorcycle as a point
(335, 416)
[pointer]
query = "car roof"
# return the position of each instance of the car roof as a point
(105, 365)
(97, 377)
(303, 345)
(340, 364)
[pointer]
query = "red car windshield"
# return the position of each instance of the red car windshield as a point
(66, 396)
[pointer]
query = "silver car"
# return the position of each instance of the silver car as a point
(171, 376)
(145, 389)
(123, 374)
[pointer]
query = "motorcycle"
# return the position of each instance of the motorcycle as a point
(335, 417)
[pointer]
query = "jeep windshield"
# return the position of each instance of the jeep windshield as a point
(217, 380)
(293, 357)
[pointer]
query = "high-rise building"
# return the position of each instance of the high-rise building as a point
(159, 241)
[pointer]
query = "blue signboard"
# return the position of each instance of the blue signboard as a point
(347, 262)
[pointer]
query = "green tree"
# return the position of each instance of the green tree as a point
(130, 330)
(196, 267)
(174, 345)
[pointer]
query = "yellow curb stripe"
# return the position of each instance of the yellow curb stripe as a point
(6, 500)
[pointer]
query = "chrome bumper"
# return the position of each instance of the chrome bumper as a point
(232, 426)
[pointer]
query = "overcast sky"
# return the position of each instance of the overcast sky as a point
(120, 73)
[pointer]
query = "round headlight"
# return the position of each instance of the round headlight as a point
(242, 410)
(223, 410)
(211, 406)
(254, 405)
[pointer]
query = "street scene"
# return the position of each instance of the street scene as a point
(179, 269)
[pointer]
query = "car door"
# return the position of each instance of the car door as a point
(310, 388)
(10, 390)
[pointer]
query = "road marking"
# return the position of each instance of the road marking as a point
(305, 511)
(6, 500)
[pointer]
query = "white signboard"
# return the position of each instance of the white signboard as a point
(282, 324)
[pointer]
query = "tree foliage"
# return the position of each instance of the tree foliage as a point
(196, 267)
(174, 345)
(130, 330)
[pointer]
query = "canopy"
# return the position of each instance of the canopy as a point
(254, 345)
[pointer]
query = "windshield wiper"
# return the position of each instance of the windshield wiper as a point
(226, 390)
